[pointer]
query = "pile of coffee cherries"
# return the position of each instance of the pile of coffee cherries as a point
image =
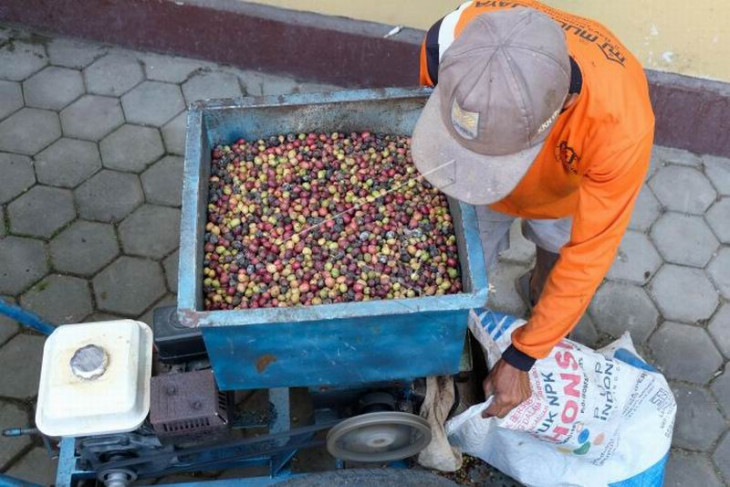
(310, 219)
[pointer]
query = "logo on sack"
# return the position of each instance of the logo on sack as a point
(584, 438)
(564, 394)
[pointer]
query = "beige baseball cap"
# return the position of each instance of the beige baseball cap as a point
(502, 85)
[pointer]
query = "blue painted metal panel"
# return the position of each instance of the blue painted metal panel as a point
(337, 352)
(284, 347)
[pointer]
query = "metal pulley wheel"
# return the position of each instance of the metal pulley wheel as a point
(379, 437)
(120, 477)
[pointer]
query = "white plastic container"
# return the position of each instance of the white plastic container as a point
(95, 379)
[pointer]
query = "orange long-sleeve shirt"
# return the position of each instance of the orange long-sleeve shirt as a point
(591, 168)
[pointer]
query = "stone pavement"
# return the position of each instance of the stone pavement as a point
(91, 146)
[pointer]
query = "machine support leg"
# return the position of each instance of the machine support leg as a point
(279, 398)
(66, 463)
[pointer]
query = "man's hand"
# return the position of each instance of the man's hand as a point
(510, 387)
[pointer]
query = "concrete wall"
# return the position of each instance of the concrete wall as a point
(684, 36)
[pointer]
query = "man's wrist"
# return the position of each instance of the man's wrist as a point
(518, 359)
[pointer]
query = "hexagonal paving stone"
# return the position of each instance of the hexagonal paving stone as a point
(18, 60)
(84, 247)
(170, 264)
(29, 130)
(646, 210)
(23, 261)
(17, 175)
(619, 307)
(41, 211)
(719, 271)
(720, 329)
(258, 84)
(131, 148)
(59, 299)
(162, 182)
(20, 362)
(151, 231)
(170, 68)
(690, 469)
(53, 88)
(11, 417)
(654, 165)
(719, 219)
(113, 75)
(721, 456)
(148, 316)
(153, 103)
(72, 53)
(698, 423)
(11, 98)
(129, 286)
(101, 316)
(174, 134)
(92, 117)
(684, 239)
(203, 86)
(520, 249)
(502, 293)
(674, 343)
(683, 189)
(585, 332)
(36, 466)
(636, 261)
(718, 171)
(109, 196)
(670, 155)
(67, 162)
(721, 389)
(683, 294)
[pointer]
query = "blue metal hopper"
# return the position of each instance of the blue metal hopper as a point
(326, 345)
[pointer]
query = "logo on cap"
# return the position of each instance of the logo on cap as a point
(542, 128)
(465, 123)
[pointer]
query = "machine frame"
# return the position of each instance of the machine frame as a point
(327, 347)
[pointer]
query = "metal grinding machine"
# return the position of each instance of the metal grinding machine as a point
(210, 390)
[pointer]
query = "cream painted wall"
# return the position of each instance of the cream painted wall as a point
(684, 36)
